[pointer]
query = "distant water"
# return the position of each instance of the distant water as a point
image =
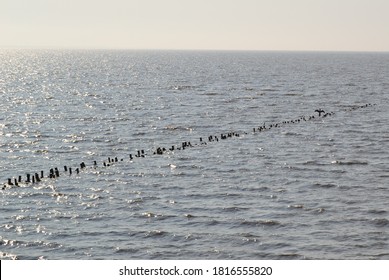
(314, 189)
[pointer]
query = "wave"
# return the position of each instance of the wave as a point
(173, 127)
(8, 256)
(289, 256)
(260, 223)
(235, 209)
(296, 206)
(182, 87)
(352, 162)
(20, 243)
(211, 93)
(325, 186)
(379, 212)
(156, 233)
(293, 94)
(380, 222)
(269, 90)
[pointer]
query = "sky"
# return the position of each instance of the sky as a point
(292, 25)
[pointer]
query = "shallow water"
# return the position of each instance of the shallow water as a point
(314, 189)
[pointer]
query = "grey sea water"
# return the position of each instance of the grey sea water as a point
(308, 189)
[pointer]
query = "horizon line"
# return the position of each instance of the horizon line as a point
(183, 49)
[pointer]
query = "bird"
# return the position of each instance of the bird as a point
(320, 111)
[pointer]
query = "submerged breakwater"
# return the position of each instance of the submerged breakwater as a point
(54, 173)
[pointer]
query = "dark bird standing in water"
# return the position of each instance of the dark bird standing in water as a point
(320, 111)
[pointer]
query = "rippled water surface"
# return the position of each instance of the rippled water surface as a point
(308, 188)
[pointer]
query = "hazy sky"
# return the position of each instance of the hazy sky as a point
(345, 25)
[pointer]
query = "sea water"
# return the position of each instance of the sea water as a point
(314, 188)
